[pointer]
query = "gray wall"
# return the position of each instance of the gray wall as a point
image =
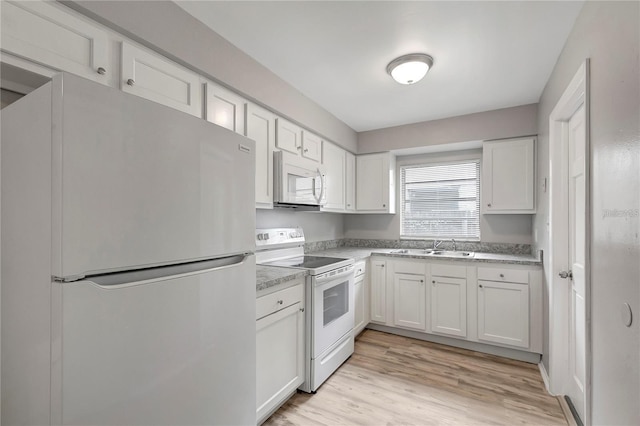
(163, 26)
(316, 226)
(496, 124)
(607, 33)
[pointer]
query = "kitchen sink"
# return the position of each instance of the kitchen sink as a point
(435, 253)
(449, 253)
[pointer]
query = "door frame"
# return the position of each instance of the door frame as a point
(575, 95)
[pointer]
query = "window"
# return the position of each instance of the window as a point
(440, 200)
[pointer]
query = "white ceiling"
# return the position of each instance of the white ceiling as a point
(487, 55)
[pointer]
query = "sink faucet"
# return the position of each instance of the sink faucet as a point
(454, 244)
(436, 243)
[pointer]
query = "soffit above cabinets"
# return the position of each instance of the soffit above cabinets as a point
(487, 55)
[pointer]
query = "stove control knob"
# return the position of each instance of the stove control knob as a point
(259, 237)
(265, 235)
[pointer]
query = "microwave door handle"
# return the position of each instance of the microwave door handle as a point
(321, 187)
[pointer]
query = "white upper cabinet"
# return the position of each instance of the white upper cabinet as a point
(334, 166)
(291, 137)
(223, 107)
(261, 127)
(375, 183)
(311, 146)
(350, 182)
(45, 34)
(151, 76)
(508, 176)
(288, 136)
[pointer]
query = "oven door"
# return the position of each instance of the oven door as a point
(333, 307)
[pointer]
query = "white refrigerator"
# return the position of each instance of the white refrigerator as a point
(128, 272)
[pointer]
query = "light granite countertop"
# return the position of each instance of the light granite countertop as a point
(273, 278)
(360, 253)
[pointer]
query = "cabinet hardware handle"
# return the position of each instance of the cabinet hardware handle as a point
(434, 281)
(299, 147)
(421, 281)
(384, 205)
(501, 275)
(101, 71)
(280, 302)
(382, 266)
(130, 82)
(301, 309)
(480, 285)
(489, 205)
(306, 150)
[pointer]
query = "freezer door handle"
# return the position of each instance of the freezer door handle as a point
(151, 275)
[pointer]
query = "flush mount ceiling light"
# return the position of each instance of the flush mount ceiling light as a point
(411, 68)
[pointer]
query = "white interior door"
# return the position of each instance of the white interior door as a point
(577, 250)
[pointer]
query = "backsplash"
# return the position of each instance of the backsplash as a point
(502, 248)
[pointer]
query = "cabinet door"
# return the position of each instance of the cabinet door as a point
(350, 182)
(153, 77)
(288, 136)
(279, 358)
(44, 33)
(359, 297)
(311, 146)
(374, 183)
(503, 313)
(449, 306)
(334, 166)
(261, 127)
(223, 107)
(378, 291)
(409, 301)
(508, 172)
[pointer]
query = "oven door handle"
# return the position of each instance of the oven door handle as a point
(324, 278)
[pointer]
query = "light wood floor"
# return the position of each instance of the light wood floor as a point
(394, 380)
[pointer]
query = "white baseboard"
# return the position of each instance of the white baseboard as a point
(545, 377)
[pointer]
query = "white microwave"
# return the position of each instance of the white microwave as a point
(299, 183)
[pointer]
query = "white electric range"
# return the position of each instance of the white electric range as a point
(329, 298)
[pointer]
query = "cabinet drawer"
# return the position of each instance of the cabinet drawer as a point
(360, 268)
(273, 302)
(402, 267)
(449, 271)
(503, 275)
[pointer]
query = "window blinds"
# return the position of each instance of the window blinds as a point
(441, 200)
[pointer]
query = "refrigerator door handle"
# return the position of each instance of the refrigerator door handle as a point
(152, 275)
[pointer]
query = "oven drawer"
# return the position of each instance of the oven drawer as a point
(274, 302)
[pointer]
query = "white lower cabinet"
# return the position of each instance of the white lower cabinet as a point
(503, 313)
(498, 305)
(279, 348)
(378, 291)
(409, 301)
(449, 306)
(448, 298)
(361, 297)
